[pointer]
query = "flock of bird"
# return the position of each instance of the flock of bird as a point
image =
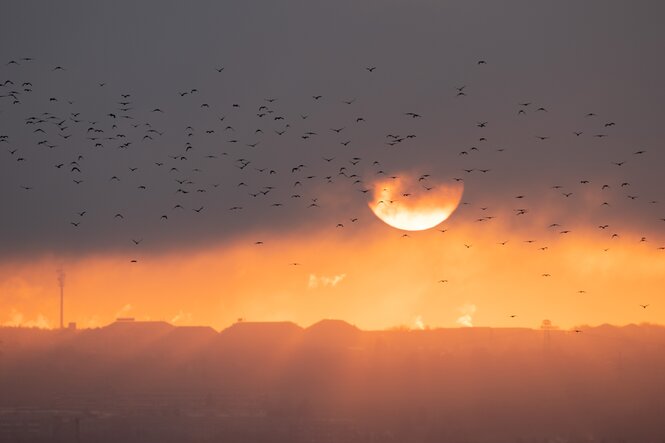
(225, 161)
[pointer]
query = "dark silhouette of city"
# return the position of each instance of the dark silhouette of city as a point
(136, 381)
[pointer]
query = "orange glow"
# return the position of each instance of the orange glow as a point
(372, 277)
(405, 205)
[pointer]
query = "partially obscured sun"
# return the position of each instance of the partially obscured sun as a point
(408, 205)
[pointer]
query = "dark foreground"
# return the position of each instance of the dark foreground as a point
(276, 382)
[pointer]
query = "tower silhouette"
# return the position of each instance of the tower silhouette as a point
(61, 283)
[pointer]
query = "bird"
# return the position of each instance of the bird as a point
(214, 168)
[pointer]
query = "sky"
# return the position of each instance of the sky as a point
(212, 161)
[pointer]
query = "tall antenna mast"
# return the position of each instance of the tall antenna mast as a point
(61, 282)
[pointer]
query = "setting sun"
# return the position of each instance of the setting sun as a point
(411, 206)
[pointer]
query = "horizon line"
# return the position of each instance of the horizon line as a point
(73, 326)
